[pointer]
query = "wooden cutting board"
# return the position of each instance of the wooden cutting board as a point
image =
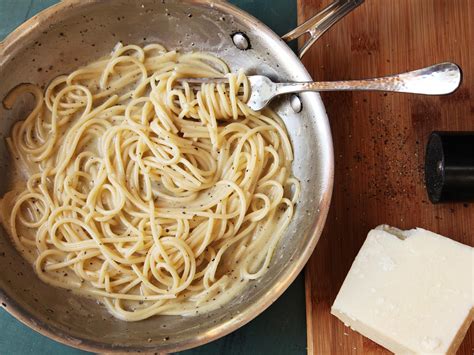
(380, 139)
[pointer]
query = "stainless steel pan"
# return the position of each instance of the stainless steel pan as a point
(75, 32)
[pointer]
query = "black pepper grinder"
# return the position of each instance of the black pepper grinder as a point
(449, 167)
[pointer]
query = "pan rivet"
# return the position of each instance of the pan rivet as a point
(295, 103)
(241, 41)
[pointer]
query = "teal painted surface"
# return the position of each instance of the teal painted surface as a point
(279, 330)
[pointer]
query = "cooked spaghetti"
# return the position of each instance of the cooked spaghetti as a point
(145, 193)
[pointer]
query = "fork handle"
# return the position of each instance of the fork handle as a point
(438, 79)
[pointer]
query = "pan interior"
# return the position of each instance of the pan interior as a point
(70, 35)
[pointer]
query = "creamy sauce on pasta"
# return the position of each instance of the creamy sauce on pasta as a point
(145, 193)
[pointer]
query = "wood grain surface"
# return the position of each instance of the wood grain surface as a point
(380, 139)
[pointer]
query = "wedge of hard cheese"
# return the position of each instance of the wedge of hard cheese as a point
(411, 292)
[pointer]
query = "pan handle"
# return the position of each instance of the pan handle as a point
(321, 22)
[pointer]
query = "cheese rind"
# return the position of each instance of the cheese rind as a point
(411, 292)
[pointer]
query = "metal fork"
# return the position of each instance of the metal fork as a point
(438, 79)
